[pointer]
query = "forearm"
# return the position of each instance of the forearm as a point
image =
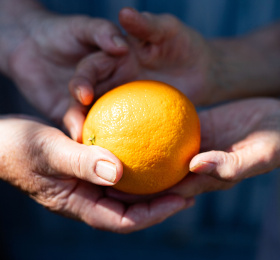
(248, 66)
(15, 21)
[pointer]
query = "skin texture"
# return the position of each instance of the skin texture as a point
(60, 175)
(200, 66)
(238, 141)
(165, 49)
(44, 54)
(244, 142)
(39, 51)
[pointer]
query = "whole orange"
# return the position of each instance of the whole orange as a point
(152, 128)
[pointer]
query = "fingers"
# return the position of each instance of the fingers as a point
(194, 184)
(143, 215)
(57, 155)
(74, 120)
(99, 65)
(127, 197)
(247, 135)
(148, 27)
(243, 161)
(91, 70)
(99, 33)
(109, 214)
(224, 125)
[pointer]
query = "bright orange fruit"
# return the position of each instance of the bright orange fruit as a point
(152, 128)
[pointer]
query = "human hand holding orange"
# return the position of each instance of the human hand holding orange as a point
(236, 64)
(70, 179)
(239, 140)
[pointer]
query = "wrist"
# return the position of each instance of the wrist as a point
(247, 66)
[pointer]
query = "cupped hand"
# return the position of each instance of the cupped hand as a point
(239, 140)
(65, 177)
(45, 56)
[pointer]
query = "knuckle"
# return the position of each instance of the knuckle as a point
(232, 164)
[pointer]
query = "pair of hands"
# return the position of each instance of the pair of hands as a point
(62, 177)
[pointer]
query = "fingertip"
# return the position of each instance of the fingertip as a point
(107, 167)
(81, 90)
(74, 120)
(73, 134)
(127, 17)
(127, 11)
(120, 42)
(203, 167)
(205, 163)
(86, 95)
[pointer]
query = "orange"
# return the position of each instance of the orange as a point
(152, 128)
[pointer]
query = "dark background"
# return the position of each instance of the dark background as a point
(222, 225)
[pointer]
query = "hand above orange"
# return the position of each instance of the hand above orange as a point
(160, 48)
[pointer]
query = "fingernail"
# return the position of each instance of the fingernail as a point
(74, 134)
(203, 168)
(106, 170)
(78, 94)
(119, 41)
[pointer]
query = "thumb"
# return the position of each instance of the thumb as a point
(63, 157)
(99, 33)
(236, 165)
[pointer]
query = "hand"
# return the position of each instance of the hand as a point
(164, 49)
(161, 48)
(169, 51)
(64, 176)
(240, 140)
(46, 53)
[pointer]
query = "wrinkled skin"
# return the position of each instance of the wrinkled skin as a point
(165, 49)
(239, 140)
(45, 57)
(54, 170)
(161, 48)
(60, 175)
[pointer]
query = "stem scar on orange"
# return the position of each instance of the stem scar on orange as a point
(152, 128)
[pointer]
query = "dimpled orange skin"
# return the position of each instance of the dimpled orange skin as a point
(152, 128)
